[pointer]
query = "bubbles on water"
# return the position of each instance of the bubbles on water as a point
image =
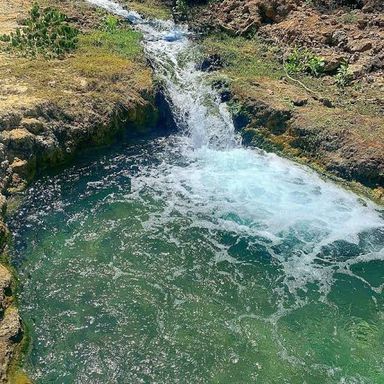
(168, 257)
(313, 228)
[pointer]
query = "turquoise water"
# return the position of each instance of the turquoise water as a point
(161, 263)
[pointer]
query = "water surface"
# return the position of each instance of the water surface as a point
(159, 263)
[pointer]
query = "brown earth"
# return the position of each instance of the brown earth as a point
(337, 33)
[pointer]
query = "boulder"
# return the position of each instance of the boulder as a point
(359, 46)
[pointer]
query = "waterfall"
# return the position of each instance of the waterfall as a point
(245, 191)
(196, 106)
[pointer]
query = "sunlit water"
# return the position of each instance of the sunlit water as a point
(189, 259)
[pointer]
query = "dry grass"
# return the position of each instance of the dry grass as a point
(150, 8)
(108, 66)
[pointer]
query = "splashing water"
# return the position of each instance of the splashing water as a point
(192, 259)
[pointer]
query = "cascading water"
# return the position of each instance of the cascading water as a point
(192, 259)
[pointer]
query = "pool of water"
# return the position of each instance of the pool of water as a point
(163, 263)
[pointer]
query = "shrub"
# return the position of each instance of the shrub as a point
(343, 76)
(46, 32)
(180, 10)
(304, 61)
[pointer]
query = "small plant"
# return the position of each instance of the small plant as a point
(46, 32)
(350, 18)
(180, 10)
(111, 24)
(343, 76)
(304, 61)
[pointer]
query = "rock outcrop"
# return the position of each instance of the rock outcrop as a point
(339, 31)
(11, 331)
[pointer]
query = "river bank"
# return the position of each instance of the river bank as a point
(335, 128)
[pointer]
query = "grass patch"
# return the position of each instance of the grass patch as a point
(125, 43)
(154, 9)
(106, 66)
(107, 54)
(253, 67)
(246, 59)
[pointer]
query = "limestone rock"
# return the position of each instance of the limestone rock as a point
(332, 62)
(10, 121)
(359, 46)
(10, 334)
(19, 141)
(20, 167)
(33, 125)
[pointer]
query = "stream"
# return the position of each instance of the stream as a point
(191, 259)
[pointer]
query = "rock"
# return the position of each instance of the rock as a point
(33, 125)
(16, 184)
(4, 234)
(10, 334)
(332, 62)
(19, 141)
(211, 63)
(339, 38)
(225, 95)
(3, 204)
(10, 324)
(5, 284)
(362, 23)
(327, 103)
(20, 167)
(10, 121)
(300, 101)
(222, 86)
(359, 46)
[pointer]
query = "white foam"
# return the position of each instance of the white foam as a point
(219, 185)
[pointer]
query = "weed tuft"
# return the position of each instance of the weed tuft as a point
(304, 61)
(343, 76)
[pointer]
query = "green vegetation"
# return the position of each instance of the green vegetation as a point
(181, 9)
(111, 24)
(349, 18)
(124, 42)
(343, 76)
(150, 8)
(46, 32)
(108, 65)
(245, 59)
(304, 61)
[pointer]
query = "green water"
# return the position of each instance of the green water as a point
(144, 265)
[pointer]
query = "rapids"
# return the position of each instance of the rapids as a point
(192, 259)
